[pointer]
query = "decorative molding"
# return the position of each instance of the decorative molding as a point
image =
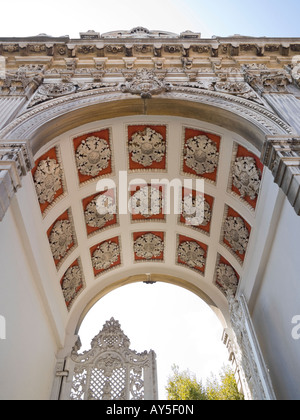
(237, 234)
(282, 156)
(191, 254)
(106, 255)
(72, 283)
(16, 160)
(47, 180)
(247, 351)
(146, 84)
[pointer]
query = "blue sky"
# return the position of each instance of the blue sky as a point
(222, 18)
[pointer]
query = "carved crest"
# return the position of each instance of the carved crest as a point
(146, 84)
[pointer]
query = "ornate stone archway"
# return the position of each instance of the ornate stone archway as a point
(58, 110)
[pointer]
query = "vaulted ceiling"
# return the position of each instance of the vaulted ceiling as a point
(86, 247)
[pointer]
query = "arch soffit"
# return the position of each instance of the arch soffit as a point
(51, 119)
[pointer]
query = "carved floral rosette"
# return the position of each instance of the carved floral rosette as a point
(246, 177)
(237, 234)
(201, 155)
(105, 255)
(148, 246)
(47, 180)
(147, 147)
(71, 282)
(191, 254)
(93, 156)
(196, 210)
(227, 279)
(100, 211)
(60, 239)
(147, 202)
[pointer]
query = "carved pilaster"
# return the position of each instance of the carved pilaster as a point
(282, 156)
(247, 352)
(15, 161)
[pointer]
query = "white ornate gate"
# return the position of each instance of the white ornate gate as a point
(110, 370)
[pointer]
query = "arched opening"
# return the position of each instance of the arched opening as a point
(175, 323)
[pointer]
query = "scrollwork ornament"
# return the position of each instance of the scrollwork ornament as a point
(93, 156)
(246, 177)
(148, 246)
(237, 234)
(147, 147)
(106, 255)
(201, 155)
(47, 180)
(60, 239)
(191, 253)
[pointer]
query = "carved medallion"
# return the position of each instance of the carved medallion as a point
(146, 84)
(237, 234)
(147, 147)
(246, 177)
(71, 282)
(148, 246)
(196, 210)
(60, 239)
(47, 180)
(147, 202)
(191, 253)
(100, 211)
(93, 156)
(227, 278)
(105, 255)
(201, 155)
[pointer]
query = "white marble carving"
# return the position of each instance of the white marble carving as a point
(192, 254)
(246, 177)
(148, 246)
(100, 211)
(71, 282)
(201, 155)
(196, 210)
(227, 278)
(147, 202)
(237, 234)
(147, 147)
(47, 180)
(60, 239)
(93, 156)
(105, 255)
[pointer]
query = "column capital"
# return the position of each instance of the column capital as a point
(16, 160)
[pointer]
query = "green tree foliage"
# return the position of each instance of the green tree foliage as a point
(184, 386)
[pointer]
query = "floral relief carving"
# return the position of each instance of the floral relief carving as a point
(93, 156)
(146, 84)
(106, 255)
(196, 210)
(201, 155)
(246, 177)
(191, 253)
(227, 278)
(47, 180)
(60, 239)
(146, 147)
(147, 202)
(237, 234)
(100, 211)
(148, 246)
(71, 282)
